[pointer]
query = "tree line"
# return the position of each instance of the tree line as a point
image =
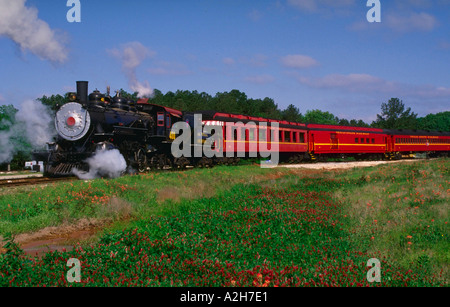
(394, 114)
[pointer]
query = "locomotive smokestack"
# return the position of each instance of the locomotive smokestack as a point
(82, 91)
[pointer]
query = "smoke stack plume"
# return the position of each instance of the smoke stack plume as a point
(132, 55)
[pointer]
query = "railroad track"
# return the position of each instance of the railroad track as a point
(12, 182)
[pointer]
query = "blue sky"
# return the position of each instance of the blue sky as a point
(321, 54)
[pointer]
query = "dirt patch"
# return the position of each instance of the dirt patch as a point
(41, 247)
(117, 209)
(168, 193)
(57, 238)
(342, 165)
(65, 236)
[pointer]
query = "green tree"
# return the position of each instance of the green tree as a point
(352, 123)
(125, 94)
(54, 101)
(361, 123)
(437, 122)
(395, 116)
(320, 117)
(343, 122)
(14, 149)
(292, 113)
(7, 116)
(267, 108)
(232, 102)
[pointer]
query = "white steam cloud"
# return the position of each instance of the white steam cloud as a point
(6, 149)
(104, 163)
(132, 55)
(22, 25)
(32, 123)
(35, 118)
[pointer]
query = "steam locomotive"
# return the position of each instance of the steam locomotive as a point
(88, 123)
(144, 135)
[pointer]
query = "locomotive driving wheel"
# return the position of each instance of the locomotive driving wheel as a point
(140, 158)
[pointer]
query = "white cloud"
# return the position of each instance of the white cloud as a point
(255, 15)
(260, 79)
(368, 84)
(445, 45)
(22, 25)
(228, 61)
(315, 5)
(308, 5)
(298, 61)
(257, 60)
(400, 23)
(412, 22)
(407, 4)
(364, 93)
(169, 69)
(351, 82)
(132, 55)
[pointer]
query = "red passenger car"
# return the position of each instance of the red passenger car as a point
(250, 136)
(407, 142)
(343, 141)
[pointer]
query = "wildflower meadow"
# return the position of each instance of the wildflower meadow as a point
(264, 228)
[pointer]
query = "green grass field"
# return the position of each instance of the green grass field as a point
(241, 226)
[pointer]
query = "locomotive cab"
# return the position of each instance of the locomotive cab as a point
(164, 117)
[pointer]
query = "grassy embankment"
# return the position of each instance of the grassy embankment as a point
(245, 226)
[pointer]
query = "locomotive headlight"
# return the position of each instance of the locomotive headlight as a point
(72, 121)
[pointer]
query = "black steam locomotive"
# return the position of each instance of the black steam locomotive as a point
(97, 121)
